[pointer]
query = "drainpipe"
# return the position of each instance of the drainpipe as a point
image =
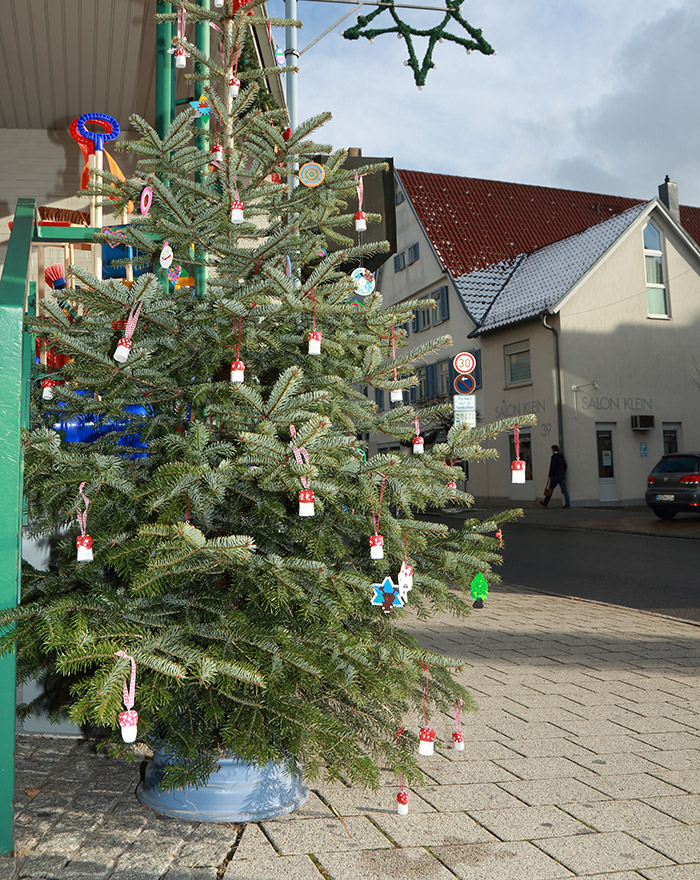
(557, 367)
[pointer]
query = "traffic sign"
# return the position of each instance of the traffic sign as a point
(464, 403)
(465, 383)
(464, 362)
(463, 417)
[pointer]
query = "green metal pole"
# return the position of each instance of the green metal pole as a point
(164, 63)
(202, 42)
(13, 287)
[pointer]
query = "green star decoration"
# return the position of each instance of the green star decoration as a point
(434, 35)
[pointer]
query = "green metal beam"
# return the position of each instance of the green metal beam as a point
(202, 42)
(13, 355)
(164, 63)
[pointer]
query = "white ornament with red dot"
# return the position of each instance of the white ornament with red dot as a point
(122, 351)
(360, 221)
(402, 803)
(376, 546)
(128, 721)
(418, 445)
(47, 387)
(306, 502)
(234, 86)
(458, 740)
(396, 395)
(450, 484)
(237, 370)
(236, 211)
(84, 546)
(314, 340)
(426, 741)
(517, 470)
(217, 152)
(180, 57)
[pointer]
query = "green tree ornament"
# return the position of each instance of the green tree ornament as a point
(437, 34)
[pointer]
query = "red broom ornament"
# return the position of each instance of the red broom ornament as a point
(55, 277)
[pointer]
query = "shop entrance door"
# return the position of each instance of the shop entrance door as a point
(607, 468)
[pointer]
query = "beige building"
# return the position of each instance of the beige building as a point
(596, 332)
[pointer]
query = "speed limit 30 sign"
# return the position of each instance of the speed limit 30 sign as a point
(464, 362)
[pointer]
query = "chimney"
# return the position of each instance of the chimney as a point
(355, 152)
(668, 194)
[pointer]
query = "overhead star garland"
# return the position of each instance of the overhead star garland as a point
(434, 35)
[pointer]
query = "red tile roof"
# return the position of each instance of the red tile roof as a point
(474, 223)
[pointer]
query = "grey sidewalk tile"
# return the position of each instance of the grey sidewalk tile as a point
(398, 864)
(312, 808)
(595, 853)
(323, 835)
(618, 875)
(529, 823)
(670, 740)
(474, 796)
(622, 743)
(680, 759)
(522, 730)
(432, 829)
(358, 802)
(543, 768)
(634, 785)
(587, 729)
(203, 853)
(466, 770)
(538, 792)
(77, 868)
(688, 780)
(485, 749)
(34, 866)
(281, 868)
(680, 844)
(648, 724)
(606, 765)
(546, 748)
(677, 872)
(685, 808)
(191, 874)
(619, 815)
(500, 861)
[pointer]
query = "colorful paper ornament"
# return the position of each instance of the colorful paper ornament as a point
(234, 86)
(146, 199)
(237, 370)
(54, 277)
(201, 107)
(128, 720)
(360, 221)
(217, 152)
(426, 741)
(166, 256)
(174, 274)
(479, 590)
(123, 349)
(236, 211)
(47, 387)
(418, 445)
(376, 546)
(363, 280)
(83, 542)
(306, 502)
(386, 595)
(279, 56)
(275, 178)
(499, 536)
(314, 340)
(311, 174)
(402, 803)
(405, 581)
(458, 736)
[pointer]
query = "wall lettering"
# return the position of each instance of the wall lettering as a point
(603, 403)
(519, 409)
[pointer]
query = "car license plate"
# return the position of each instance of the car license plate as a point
(664, 497)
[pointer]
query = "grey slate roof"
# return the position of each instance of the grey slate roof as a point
(518, 289)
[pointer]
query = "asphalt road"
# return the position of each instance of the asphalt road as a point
(638, 571)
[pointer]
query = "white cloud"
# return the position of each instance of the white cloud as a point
(586, 94)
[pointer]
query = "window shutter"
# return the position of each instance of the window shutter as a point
(431, 380)
(444, 304)
(477, 368)
(379, 397)
(397, 263)
(453, 376)
(414, 325)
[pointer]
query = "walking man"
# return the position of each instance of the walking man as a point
(557, 477)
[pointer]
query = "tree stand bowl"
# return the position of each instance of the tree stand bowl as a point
(237, 792)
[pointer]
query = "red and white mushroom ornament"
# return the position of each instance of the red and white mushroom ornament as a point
(306, 502)
(457, 735)
(83, 542)
(376, 546)
(402, 803)
(128, 719)
(47, 387)
(237, 370)
(314, 339)
(426, 741)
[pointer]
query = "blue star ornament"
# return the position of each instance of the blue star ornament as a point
(387, 595)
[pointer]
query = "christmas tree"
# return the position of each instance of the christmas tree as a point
(219, 493)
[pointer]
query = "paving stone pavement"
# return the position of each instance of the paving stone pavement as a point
(583, 761)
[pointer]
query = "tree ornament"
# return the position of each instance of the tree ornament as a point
(396, 395)
(54, 277)
(217, 152)
(499, 536)
(363, 280)
(237, 370)
(426, 735)
(83, 542)
(174, 274)
(146, 199)
(128, 720)
(406, 32)
(360, 216)
(166, 256)
(47, 387)
(387, 595)
(479, 590)
(376, 546)
(201, 107)
(518, 467)
(314, 340)
(450, 484)
(458, 736)
(236, 210)
(360, 221)
(122, 351)
(180, 57)
(402, 803)
(405, 580)
(306, 502)
(218, 4)
(234, 86)
(418, 445)
(312, 174)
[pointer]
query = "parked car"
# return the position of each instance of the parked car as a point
(674, 485)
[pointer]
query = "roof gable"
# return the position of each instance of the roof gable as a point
(473, 224)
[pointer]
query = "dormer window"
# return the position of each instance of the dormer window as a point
(657, 296)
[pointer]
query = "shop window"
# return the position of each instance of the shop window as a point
(517, 363)
(657, 295)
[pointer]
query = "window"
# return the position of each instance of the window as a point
(671, 432)
(422, 318)
(657, 298)
(517, 363)
(412, 254)
(444, 381)
(379, 397)
(406, 257)
(400, 261)
(442, 312)
(398, 193)
(431, 317)
(422, 374)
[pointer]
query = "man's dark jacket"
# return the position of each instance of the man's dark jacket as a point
(557, 466)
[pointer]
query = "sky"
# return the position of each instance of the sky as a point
(600, 95)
